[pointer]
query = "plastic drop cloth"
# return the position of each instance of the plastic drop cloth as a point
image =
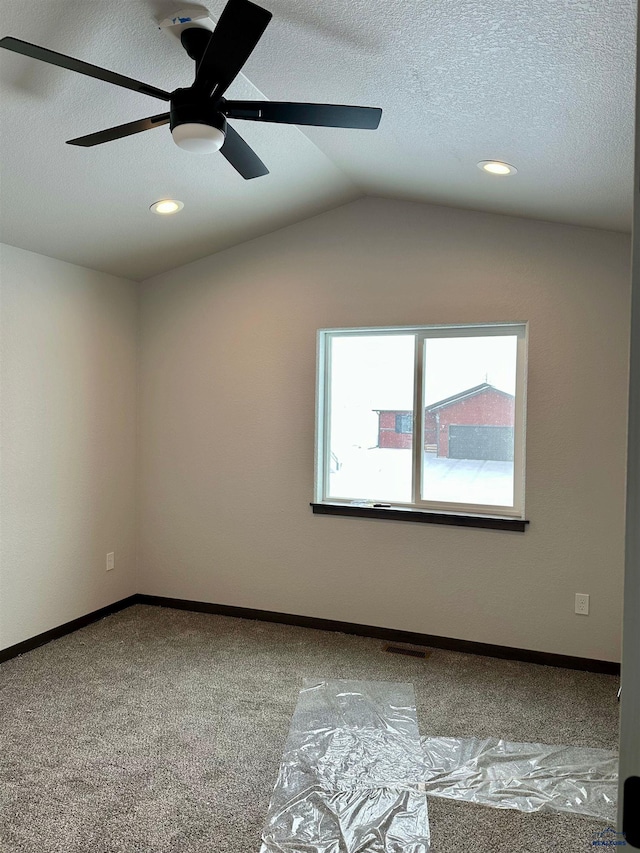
(351, 773)
(529, 777)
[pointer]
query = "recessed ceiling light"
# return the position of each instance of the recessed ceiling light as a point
(166, 206)
(496, 167)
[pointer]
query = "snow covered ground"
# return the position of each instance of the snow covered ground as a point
(382, 474)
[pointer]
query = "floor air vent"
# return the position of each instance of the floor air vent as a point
(414, 653)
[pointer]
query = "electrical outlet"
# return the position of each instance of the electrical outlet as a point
(111, 561)
(582, 603)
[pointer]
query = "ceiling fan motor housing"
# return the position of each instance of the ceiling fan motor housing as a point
(189, 107)
(195, 126)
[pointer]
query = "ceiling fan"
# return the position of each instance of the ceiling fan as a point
(198, 114)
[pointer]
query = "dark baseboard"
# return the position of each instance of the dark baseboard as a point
(392, 634)
(67, 628)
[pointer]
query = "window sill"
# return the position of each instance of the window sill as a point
(491, 522)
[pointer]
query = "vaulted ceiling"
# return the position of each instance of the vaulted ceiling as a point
(547, 86)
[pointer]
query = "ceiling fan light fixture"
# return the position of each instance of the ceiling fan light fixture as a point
(198, 138)
(166, 206)
(497, 167)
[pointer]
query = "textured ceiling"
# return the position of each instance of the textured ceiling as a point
(547, 85)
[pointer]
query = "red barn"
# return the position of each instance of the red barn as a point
(395, 428)
(473, 424)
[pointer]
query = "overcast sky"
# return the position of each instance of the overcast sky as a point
(376, 372)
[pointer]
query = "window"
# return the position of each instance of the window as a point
(426, 418)
(404, 422)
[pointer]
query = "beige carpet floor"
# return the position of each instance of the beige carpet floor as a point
(161, 731)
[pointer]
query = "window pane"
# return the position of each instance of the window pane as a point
(371, 417)
(469, 396)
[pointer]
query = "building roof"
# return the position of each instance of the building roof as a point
(454, 398)
(462, 395)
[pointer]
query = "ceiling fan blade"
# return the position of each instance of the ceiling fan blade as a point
(241, 156)
(238, 31)
(53, 58)
(318, 115)
(120, 131)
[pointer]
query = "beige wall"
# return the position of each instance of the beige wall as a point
(227, 425)
(227, 379)
(67, 430)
